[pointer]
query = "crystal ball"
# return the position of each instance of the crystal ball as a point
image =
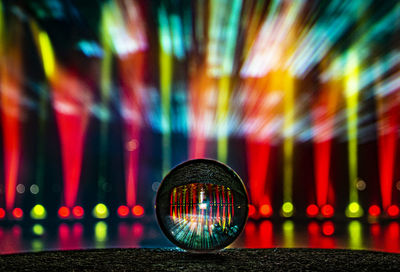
(202, 205)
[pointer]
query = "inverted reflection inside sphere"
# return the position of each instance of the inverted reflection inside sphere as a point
(202, 205)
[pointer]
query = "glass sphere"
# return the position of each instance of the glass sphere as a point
(202, 205)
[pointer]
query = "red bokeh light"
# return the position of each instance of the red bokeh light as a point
(252, 211)
(393, 211)
(374, 210)
(17, 213)
(327, 211)
(64, 212)
(123, 211)
(312, 210)
(78, 212)
(328, 228)
(137, 210)
(266, 210)
(2, 213)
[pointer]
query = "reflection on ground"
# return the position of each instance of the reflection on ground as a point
(352, 234)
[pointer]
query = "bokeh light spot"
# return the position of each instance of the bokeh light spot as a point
(312, 210)
(266, 210)
(17, 213)
(327, 211)
(287, 209)
(393, 211)
(374, 210)
(100, 211)
(123, 211)
(38, 212)
(64, 212)
(78, 212)
(138, 211)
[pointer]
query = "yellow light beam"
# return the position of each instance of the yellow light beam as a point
(351, 94)
(222, 116)
(288, 87)
(43, 43)
(165, 63)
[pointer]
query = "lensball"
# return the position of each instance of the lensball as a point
(202, 205)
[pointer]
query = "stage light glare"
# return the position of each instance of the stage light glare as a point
(327, 211)
(252, 211)
(38, 212)
(100, 211)
(374, 210)
(2, 213)
(64, 212)
(287, 209)
(17, 213)
(38, 229)
(354, 210)
(312, 210)
(266, 210)
(78, 212)
(393, 211)
(123, 211)
(138, 211)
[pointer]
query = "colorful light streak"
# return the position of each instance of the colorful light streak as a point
(351, 94)
(201, 107)
(131, 64)
(105, 91)
(72, 105)
(72, 102)
(10, 95)
(258, 161)
(388, 120)
(234, 69)
(288, 144)
(166, 69)
(323, 115)
(222, 32)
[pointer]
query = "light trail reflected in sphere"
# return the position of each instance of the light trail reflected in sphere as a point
(202, 205)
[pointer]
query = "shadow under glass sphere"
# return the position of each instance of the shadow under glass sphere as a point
(202, 205)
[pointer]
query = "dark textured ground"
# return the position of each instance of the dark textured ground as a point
(280, 259)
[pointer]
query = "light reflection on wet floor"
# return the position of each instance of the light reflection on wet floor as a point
(352, 234)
